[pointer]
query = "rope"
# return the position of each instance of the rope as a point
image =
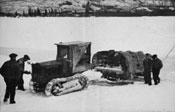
(170, 51)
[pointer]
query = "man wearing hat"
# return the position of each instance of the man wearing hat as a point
(10, 70)
(157, 65)
(21, 62)
(147, 64)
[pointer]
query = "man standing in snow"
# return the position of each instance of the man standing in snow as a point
(21, 62)
(147, 64)
(10, 70)
(157, 65)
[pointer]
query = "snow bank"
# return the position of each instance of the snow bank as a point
(167, 72)
(170, 76)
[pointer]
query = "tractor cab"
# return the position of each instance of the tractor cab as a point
(72, 58)
(76, 55)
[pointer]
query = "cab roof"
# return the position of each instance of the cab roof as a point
(72, 43)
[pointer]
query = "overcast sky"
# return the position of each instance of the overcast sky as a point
(148, 34)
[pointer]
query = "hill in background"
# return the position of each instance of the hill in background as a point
(87, 7)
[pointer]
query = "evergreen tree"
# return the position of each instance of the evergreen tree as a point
(30, 12)
(51, 11)
(16, 14)
(38, 12)
(45, 12)
(35, 12)
(87, 8)
(55, 12)
(23, 13)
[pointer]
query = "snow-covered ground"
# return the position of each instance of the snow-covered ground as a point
(146, 34)
(136, 97)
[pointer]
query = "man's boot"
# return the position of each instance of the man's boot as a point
(5, 100)
(12, 102)
(12, 97)
(21, 87)
(6, 96)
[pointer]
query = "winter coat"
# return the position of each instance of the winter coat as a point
(10, 69)
(147, 64)
(157, 64)
(21, 63)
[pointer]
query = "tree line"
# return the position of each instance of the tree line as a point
(50, 12)
(32, 12)
(38, 12)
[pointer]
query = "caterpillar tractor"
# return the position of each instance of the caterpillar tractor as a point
(64, 74)
(72, 58)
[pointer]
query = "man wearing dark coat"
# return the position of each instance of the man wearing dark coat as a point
(21, 63)
(10, 71)
(147, 64)
(157, 65)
